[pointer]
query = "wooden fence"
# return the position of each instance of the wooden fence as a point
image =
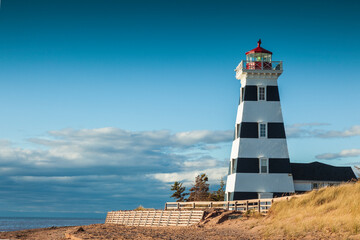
(257, 205)
(154, 218)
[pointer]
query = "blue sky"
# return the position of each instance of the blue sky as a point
(104, 103)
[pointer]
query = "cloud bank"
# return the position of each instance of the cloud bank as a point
(343, 154)
(104, 169)
(308, 130)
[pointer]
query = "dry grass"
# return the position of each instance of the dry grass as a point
(331, 210)
(141, 208)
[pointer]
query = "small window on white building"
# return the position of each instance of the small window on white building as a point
(264, 165)
(261, 93)
(262, 130)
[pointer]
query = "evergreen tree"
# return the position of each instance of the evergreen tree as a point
(219, 195)
(200, 189)
(178, 191)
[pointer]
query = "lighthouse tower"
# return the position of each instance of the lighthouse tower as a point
(259, 163)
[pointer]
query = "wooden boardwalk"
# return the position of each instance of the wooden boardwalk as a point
(186, 213)
(155, 218)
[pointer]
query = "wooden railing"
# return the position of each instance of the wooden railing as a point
(257, 205)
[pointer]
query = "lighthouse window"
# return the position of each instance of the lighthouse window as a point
(237, 131)
(263, 165)
(262, 130)
(232, 170)
(261, 94)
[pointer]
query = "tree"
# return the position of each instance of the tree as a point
(178, 191)
(219, 195)
(200, 189)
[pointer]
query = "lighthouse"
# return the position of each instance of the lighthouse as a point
(259, 163)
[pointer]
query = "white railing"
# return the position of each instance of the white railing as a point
(250, 65)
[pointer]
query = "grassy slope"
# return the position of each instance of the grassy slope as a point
(329, 210)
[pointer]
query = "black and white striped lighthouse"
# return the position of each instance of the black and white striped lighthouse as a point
(259, 163)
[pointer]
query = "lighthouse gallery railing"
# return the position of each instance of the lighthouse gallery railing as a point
(261, 65)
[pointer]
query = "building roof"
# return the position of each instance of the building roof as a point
(321, 172)
(258, 49)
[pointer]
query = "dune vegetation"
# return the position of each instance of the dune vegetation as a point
(331, 211)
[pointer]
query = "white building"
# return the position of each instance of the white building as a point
(315, 175)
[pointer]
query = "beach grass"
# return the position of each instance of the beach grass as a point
(331, 210)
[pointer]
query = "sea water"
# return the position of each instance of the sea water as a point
(21, 223)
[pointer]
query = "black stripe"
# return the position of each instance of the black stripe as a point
(244, 195)
(247, 165)
(249, 130)
(276, 130)
(279, 165)
(272, 93)
(250, 93)
(251, 165)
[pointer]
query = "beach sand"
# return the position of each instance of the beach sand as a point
(215, 226)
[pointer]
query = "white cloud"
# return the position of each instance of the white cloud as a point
(201, 163)
(187, 177)
(87, 166)
(343, 154)
(305, 130)
(351, 132)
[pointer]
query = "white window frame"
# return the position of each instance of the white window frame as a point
(264, 87)
(267, 165)
(266, 129)
(314, 185)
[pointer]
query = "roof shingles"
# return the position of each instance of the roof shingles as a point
(317, 171)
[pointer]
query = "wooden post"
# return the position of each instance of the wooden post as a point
(211, 204)
(193, 205)
(259, 207)
(266, 207)
(247, 206)
(235, 205)
(178, 206)
(228, 206)
(165, 206)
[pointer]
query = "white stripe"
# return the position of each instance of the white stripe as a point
(255, 182)
(259, 111)
(260, 81)
(259, 147)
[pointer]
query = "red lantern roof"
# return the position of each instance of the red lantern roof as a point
(258, 49)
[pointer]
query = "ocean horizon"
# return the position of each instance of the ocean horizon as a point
(8, 224)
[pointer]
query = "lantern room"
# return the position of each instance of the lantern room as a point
(258, 58)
